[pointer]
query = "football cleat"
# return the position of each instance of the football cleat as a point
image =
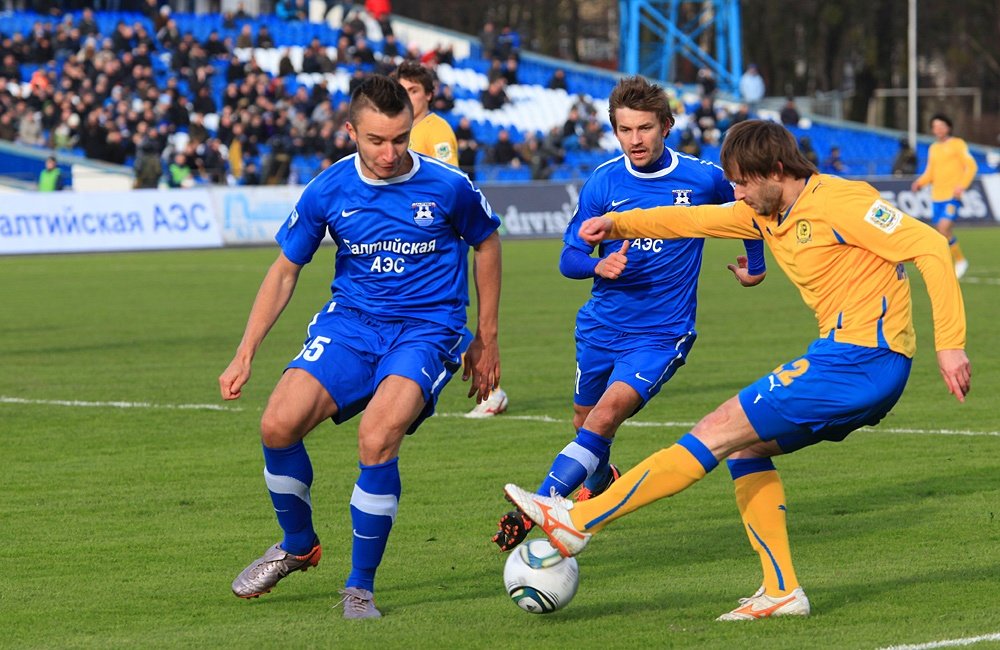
(265, 572)
(358, 603)
(760, 605)
(495, 404)
(551, 514)
(514, 527)
(586, 493)
(961, 266)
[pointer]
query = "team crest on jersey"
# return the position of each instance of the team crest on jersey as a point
(883, 216)
(803, 231)
(682, 197)
(423, 213)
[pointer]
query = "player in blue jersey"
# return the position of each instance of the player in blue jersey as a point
(388, 340)
(638, 327)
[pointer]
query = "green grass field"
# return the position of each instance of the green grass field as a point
(133, 496)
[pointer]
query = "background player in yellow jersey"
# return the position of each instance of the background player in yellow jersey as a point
(843, 247)
(950, 170)
(433, 136)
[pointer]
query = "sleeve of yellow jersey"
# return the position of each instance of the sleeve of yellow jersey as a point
(928, 176)
(870, 223)
(969, 165)
(729, 221)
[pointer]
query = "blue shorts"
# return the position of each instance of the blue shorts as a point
(945, 210)
(834, 389)
(643, 362)
(350, 353)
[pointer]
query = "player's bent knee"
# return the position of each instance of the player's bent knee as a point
(277, 430)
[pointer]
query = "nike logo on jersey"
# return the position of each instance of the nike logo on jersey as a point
(640, 377)
(360, 536)
(347, 213)
(557, 479)
(615, 204)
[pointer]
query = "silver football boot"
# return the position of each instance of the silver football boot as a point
(358, 603)
(265, 572)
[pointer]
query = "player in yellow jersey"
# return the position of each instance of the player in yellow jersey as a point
(843, 247)
(950, 170)
(433, 136)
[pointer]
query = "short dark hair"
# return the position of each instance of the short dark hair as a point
(758, 148)
(416, 72)
(941, 116)
(381, 94)
(640, 95)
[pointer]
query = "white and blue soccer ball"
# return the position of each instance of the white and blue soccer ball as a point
(538, 579)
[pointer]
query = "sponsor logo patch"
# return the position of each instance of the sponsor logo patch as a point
(883, 216)
(292, 218)
(442, 151)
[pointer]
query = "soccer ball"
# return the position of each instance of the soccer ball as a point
(538, 579)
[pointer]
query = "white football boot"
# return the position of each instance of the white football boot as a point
(761, 605)
(552, 516)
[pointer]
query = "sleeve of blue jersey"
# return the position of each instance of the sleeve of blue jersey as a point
(472, 216)
(303, 230)
(576, 264)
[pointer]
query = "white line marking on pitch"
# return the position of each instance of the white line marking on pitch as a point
(949, 643)
(4, 399)
(118, 405)
(980, 281)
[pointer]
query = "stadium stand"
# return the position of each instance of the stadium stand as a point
(262, 93)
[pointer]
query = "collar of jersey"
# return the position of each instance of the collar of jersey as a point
(388, 181)
(663, 165)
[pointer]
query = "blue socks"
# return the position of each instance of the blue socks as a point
(586, 455)
(373, 511)
(288, 474)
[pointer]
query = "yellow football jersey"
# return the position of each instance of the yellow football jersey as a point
(949, 166)
(843, 247)
(433, 136)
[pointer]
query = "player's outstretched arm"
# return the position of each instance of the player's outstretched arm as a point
(956, 372)
(482, 359)
(274, 293)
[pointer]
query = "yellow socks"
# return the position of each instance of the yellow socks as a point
(761, 501)
(663, 474)
(956, 250)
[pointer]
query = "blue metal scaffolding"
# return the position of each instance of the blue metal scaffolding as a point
(654, 33)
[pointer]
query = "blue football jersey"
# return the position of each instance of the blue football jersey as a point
(657, 293)
(400, 251)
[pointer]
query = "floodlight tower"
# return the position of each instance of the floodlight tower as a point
(706, 32)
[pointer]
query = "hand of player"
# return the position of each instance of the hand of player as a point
(482, 364)
(612, 266)
(743, 274)
(959, 191)
(956, 371)
(233, 378)
(914, 186)
(595, 230)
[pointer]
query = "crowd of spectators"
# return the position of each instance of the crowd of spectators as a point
(209, 117)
